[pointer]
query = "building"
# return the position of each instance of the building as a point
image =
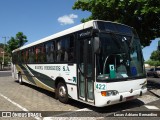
(1, 52)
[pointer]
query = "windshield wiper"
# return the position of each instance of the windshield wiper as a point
(104, 65)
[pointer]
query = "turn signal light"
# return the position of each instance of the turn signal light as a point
(103, 93)
(109, 93)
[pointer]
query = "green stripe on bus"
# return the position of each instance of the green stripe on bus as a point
(28, 75)
(43, 78)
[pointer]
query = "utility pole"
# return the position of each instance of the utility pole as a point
(4, 51)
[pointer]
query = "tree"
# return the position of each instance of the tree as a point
(155, 55)
(11, 45)
(6, 60)
(143, 15)
(153, 63)
(1, 45)
(154, 59)
(16, 42)
(22, 39)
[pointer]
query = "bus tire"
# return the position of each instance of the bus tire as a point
(20, 79)
(62, 92)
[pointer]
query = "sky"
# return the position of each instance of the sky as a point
(37, 18)
(41, 18)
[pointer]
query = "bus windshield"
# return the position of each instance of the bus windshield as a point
(120, 57)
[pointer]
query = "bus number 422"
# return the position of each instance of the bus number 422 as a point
(101, 86)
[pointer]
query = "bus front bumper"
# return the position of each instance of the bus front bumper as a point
(102, 101)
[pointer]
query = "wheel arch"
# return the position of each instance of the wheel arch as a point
(59, 79)
(59, 82)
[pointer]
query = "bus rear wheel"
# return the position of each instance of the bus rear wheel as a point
(62, 92)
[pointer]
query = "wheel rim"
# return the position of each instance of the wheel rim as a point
(20, 79)
(62, 91)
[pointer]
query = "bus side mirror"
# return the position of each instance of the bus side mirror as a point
(96, 45)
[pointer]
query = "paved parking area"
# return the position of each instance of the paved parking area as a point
(31, 97)
(28, 98)
(16, 97)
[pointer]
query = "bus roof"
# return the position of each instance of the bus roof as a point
(62, 33)
(59, 34)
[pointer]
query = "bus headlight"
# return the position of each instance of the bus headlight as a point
(109, 93)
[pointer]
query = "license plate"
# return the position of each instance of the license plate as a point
(129, 98)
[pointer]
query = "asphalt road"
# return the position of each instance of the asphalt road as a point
(28, 98)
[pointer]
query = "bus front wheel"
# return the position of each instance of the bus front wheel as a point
(62, 92)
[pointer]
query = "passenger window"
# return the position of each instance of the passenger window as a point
(14, 55)
(71, 49)
(59, 53)
(50, 47)
(43, 54)
(65, 48)
(26, 56)
(22, 56)
(31, 55)
(38, 53)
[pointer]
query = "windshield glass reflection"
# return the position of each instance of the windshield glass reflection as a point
(120, 57)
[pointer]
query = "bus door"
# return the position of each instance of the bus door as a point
(85, 67)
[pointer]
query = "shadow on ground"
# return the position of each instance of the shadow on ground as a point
(102, 111)
(153, 84)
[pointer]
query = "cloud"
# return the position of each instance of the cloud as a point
(67, 19)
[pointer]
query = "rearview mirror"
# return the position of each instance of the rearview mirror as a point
(96, 45)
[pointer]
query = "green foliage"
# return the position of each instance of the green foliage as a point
(143, 15)
(155, 55)
(11, 45)
(154, 59)
(1, 59)
(21, 38)
(6, 60)
(16, 42)
(153, 63)
(1, 45)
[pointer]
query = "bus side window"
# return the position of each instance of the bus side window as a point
(29, 61)
(26, 56)
(50, 51)
(18, 57)
(31, 55)
(38, 53)
(43, 53)
(22, 56)
(65, 49)
(59, 51)
(71, 49)
(15, 56)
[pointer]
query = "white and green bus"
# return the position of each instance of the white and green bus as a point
(98, 62)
